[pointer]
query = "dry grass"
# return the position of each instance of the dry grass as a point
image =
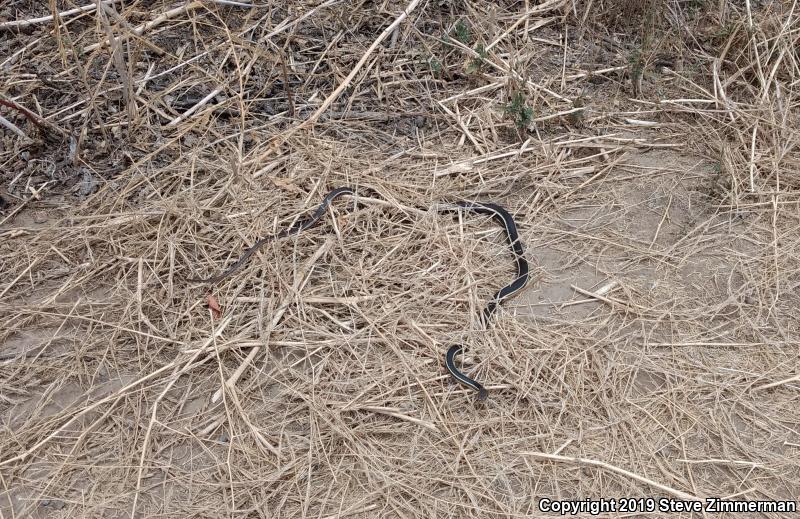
(152, 141)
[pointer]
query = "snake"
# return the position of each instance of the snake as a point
(499, 214)
(296, 228)
(507, 221)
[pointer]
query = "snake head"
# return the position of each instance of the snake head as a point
(483, 394)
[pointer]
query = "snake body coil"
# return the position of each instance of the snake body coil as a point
(504, 218)
(498, 213)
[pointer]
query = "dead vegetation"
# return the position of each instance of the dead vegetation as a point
(651, 147)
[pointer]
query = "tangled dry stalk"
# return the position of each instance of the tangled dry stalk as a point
(651, 168)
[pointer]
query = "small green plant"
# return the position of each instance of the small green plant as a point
(519, 111)
(636, 64)
(723, 33)
(435, 66)
(461, 32)
(475, 65)
(576, 118)
(635, 61)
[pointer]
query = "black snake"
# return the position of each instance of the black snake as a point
(499, 214)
